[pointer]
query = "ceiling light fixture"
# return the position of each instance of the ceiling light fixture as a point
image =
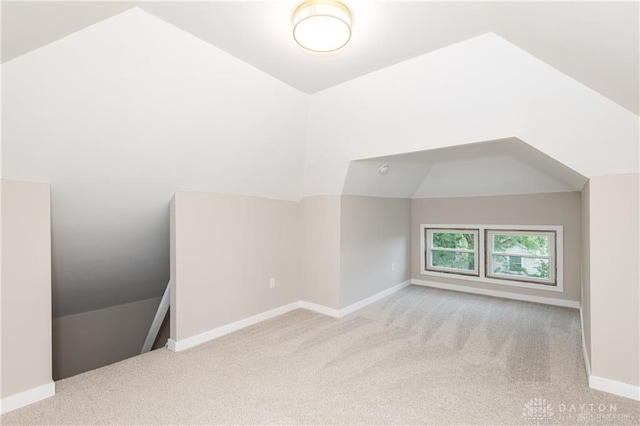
(383, 170)
(322, 25)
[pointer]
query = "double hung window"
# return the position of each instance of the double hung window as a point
(452, 250)
(523, 256)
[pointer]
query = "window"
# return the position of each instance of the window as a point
(452, 250)
(528, 256)
(521, 255)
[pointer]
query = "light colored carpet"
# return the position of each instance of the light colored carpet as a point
(420, 356)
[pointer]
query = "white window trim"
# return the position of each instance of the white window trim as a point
(455, 271)
(559, 287)
(551, 256)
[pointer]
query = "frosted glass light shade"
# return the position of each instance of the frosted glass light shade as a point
(322, 25)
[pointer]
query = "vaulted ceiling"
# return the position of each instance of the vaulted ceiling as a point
(120, 104)
(596, 43)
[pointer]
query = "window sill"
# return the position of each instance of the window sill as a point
(544, 287)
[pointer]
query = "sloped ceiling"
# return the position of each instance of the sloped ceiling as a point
(502, 167)
(596, 43)
(28, 25)
(120, 116)
(123, 113)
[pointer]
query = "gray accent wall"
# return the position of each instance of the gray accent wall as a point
(375, 245)
(585, 275)
(562, 208)
(89, 340)
(614, 277)
(226, 248)
(319, 233)
(25, 309)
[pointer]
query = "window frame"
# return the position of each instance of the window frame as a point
(482, 278)
(489, 253)
(427, 260)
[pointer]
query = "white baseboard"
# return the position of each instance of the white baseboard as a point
(369, 300)
(617, 388)
(27, 397)
(321, 309)
(600, 383)
(192, 341)
(501, 294)
(189, 342)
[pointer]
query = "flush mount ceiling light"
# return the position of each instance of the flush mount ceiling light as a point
(383, 170)
(322, 25)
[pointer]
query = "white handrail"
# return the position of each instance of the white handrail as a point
(161, 313)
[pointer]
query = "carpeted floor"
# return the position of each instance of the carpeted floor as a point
(419, 356)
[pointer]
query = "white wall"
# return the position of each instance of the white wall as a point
(375, 245)
(119, 116)
(226, 249)
(614, 209)
(477, 90)
(26, 294)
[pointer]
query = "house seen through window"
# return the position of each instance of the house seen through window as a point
(521, 255)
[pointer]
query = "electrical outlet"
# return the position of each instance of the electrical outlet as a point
(393, 266)
(272, 283)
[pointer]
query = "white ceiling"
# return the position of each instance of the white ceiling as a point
(502, 167)
(116, 130)
(384, 33)
(596, 43)
(28, 25)
(120, 115)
